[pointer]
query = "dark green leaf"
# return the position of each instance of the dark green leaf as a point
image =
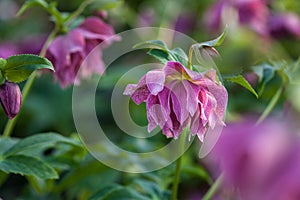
(152, 44)
(104, 192)
(126, 193)
(30, 3)
(26, 165)
(161, 55)
(243, 82)
(148, 188)
(20, 67)
(37, 141)
(6, 143)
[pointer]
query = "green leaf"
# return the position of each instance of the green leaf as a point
(243, 82)
(6, 143)
(265, 73)
(116, 192)
(38, 141)
(20, 67)
(216, 42)
(180, 56)
(151, 189)
(31, 3)
(206, 60)
(104, 192)
(2, 63)
(161, 55)
(152, 44)
(26, 165)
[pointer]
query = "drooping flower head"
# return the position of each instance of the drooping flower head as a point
(67, 52)
(10, 98)
(177, 97)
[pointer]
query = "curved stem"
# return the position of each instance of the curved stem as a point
(11, 123)
(214, 188)
(77, 12)
(190, 57)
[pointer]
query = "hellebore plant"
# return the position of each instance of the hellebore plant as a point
(178, 98)
(66, 52)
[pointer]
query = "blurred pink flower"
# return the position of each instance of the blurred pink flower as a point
(261, 162)
(177, 97)
(67, 52)
(253, 13)
(284, 25)
(10, 98)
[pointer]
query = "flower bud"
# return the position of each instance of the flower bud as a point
(10, 98)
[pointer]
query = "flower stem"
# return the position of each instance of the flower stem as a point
(176, 179)
(270, 106)
(214, 188)
(190, 57)
(182, 138)
(11, 123)
(77, 12)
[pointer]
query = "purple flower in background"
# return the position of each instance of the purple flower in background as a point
(67, 52)
(261, 162)
(146, 18)
(253, 13)
(284, 25)
(7, 50)
(11, 98)
(185, 22)
(32, 45)
(177, 97)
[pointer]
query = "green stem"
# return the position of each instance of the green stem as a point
(178, 164)
(270, 106)
(176, 179)
(11, 123)
(213, 189)
(77, 12)
(190, 57)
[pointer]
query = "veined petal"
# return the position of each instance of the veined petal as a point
(192, 96)
(155, 81)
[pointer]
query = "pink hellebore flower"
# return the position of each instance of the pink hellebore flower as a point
(177, 97)
(67, 52)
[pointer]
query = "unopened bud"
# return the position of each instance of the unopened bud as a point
(11, 98)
